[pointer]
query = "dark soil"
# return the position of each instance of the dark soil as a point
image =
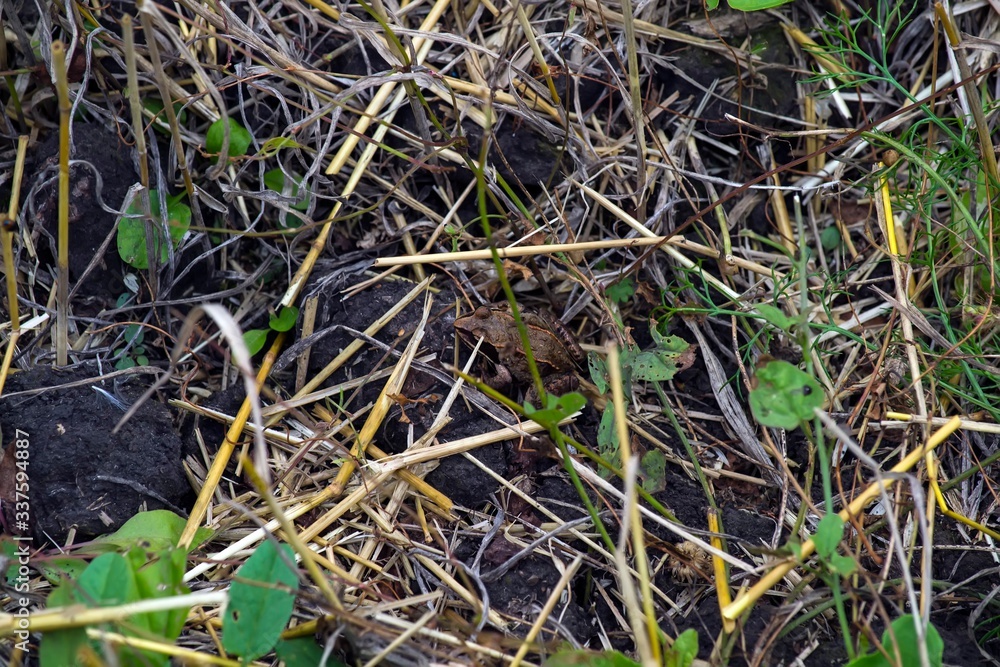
(84, 477)
(100, 180)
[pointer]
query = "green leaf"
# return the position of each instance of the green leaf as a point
(598, 367)
(255, 339)
(829, 532)
(161, 575)
(673, 353)
(830, 238)
(124, 364)
(784, 396)
(557, 408)
(271, 146)
(239, 138)
(909, 645)
(275, 144)
(626, 358)
(756, 5)
(654, 366)
(684, 650)
(658, 330)
(654, 467)
(134, 333)
(60, 567)
(61, 647)
(589, 659)
(905, 650)
(607, 441)
(621, 291)
(275, 180)
(303, 652)
(112, 580)
(155, 530)
(285, 319)
(261, 599)
(871, 660)
(107, 581)
(776, 317)
(843, 565)
(132, 231)
(711, 4)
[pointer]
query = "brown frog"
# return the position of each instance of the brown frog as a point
(556, 353)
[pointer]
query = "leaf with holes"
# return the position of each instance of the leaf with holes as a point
(260, 602)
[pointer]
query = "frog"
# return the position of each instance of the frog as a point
(557, 354)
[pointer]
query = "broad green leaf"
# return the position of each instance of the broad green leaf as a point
(239, 138)
(673, 352)
(132, 230)
(663, 341)
(775, 316)
(598, 371)
(830, 238)
(255, 339)
(157, 576)
(626, 357)
(155, 531)
(57, 568)
(654, 468)
(125, 363)
(607, 441)
(107, 581)
(784, 396)
(557, 408)
(908, 644)
(285, 319)
(61, 647)
(303, 652)
(684, 650)
(261, 599)
(905, 650)
(654, 366)
(828, 535)
(843, 565)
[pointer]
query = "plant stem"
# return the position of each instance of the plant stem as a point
(7, 238)
(62, 258)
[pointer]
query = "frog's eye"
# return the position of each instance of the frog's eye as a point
(483, 312)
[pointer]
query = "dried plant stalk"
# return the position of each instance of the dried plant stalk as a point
(62, 259)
